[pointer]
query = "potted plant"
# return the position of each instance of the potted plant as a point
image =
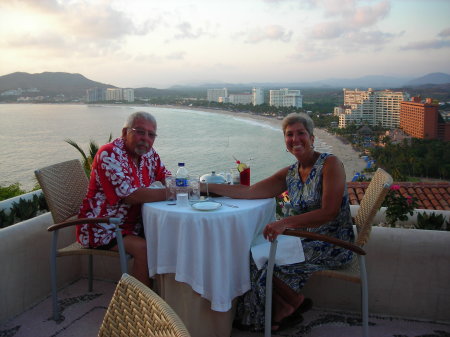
(398, 206)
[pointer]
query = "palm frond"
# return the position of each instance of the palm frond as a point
(75, 145)
(93, 148)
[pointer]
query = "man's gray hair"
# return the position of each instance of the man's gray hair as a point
(138, 115)
(294, 118)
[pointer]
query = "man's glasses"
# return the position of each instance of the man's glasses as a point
(142, 132)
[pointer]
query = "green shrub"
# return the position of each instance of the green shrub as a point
(6, 219)
(26, 209)
(11, 191)
(23, 209)
(430, 221)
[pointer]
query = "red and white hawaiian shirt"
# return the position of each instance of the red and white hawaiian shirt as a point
(115, 176)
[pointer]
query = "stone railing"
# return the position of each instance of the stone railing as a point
(407, 271)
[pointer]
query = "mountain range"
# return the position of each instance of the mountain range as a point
(369, 81)
(75, 85)
(50, 83)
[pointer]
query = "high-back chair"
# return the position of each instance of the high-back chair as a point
(65, 185)
(135, 310)
(355, 271)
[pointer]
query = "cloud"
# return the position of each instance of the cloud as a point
(271, 32)
(186, 31)
(444, 33)
(423, 45)
(93, 19)
(350, 18)
(48, 41)
(374, 38)
(310, 51)
(176, 55)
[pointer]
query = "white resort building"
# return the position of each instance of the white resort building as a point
(109, 94)
(214, 95)
(256, 97)
(285, 98)
(371, 107)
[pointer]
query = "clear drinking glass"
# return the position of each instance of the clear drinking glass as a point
(182, 199)
(171, 190)
(194, 188)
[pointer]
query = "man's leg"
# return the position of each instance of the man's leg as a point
(137, 247)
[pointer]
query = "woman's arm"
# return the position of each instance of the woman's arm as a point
(267, 188)
(332, 193)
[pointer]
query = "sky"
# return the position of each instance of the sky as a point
(160, 43)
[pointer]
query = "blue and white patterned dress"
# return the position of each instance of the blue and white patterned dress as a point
(305, 197)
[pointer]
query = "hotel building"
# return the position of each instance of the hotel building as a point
(109, 94)
(128, 94)
(422, 119)
(213, 95)
(245, 98)
(371, 107)
(285, 98)
(114, 94)
(257, 96)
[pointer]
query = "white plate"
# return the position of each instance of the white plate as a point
(206, 205)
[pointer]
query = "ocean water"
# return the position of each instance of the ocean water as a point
(32, 136)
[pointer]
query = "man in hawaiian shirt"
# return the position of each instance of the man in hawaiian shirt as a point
(122, 172)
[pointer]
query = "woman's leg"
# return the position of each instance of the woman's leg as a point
(284, 300)
(137, 247)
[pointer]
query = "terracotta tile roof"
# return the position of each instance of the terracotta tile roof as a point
(430, 195)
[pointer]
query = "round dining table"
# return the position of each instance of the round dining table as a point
(206, 249)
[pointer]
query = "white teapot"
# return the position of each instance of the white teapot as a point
(213, 178)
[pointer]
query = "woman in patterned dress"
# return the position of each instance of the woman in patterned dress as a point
(316, 184)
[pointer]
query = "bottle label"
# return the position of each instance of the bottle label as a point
(181, 182)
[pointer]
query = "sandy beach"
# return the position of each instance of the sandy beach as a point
(324, 140)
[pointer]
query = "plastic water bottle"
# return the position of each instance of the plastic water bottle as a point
(181, 178)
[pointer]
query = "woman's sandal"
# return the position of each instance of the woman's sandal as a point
(287, 322)
(305, 306)
(293, 319)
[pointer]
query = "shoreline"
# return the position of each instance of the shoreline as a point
(345, 152)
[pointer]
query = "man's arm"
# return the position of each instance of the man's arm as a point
(143, 194)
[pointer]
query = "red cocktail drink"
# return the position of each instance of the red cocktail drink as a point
(245, 176)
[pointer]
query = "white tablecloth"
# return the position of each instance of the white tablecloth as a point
(209, 250)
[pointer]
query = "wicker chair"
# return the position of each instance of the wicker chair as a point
(135, 310)
(355, 271)
(64, 186)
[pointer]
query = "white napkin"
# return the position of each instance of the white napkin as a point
(157, 184)
(289, 251)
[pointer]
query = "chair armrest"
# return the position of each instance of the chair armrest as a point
(82, 221)
(329, 239)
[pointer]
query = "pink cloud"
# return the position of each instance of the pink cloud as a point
(272, 32)
(444, 33)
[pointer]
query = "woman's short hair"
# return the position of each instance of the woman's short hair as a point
(294, 118)
(138, 115)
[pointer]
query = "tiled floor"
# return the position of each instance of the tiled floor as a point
(83, 313)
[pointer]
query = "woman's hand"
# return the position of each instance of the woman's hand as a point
(273, 229)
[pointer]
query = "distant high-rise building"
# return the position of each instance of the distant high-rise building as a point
(257, 96)
(114, 94)
(422, 119)
(245, 98)
(375, 108)
(285, 98)
(128, 94)
(213, 95)
(95, 95)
